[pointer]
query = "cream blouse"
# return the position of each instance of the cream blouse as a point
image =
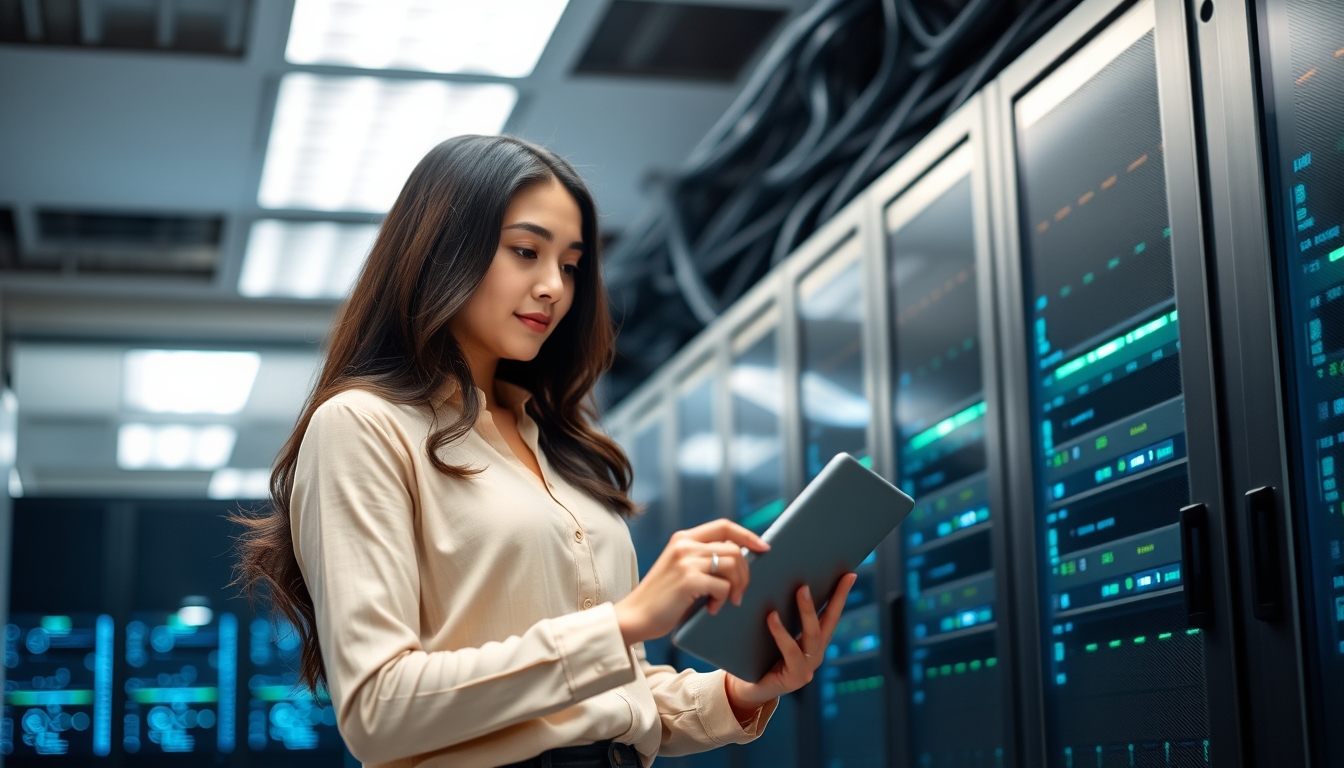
(469, 622)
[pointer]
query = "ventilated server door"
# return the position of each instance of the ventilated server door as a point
(1304, 87)
(1122, 672)
(951, 615)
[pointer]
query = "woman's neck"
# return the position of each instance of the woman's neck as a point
(483, 366)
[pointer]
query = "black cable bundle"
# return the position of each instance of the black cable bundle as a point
(845, 90)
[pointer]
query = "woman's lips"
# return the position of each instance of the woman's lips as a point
(537, 323)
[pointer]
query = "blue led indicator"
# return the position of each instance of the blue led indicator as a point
(104, 635)
(228, 679)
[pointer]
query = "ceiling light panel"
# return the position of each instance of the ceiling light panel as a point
(304, 259)
(174, 446)
(484, 37)
(229, 484)
(349, 143)
(182, 381)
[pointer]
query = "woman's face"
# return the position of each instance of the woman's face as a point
(530, 283)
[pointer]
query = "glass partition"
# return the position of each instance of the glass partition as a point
(835, 415)
(951, 627)
(1123, 673)
(1307, 48)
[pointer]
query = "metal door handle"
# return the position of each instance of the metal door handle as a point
(1195, 571)
(1262, 526)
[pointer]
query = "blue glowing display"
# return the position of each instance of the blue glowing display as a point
(58, 685)
(282, 714)
(181, 687)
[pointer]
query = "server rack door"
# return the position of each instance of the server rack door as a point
(955, 687)
(1302, 84)
(1122, 673)
(756, 475)
(836, 416)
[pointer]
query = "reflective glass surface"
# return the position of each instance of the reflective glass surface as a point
(956, 715)
(699, 461)
(648, 529)
(835, 414)
(1124, 674)
(1307, 48)
(756, 452)
(699, 452)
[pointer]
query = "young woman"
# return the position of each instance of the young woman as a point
(447, 529)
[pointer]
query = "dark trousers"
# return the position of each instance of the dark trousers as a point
(604, 754)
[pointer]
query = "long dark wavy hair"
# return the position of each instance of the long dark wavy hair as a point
(392, 338)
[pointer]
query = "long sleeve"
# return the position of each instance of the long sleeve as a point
(694, 711)
(353, 515)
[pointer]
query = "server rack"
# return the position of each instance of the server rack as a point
(952, 654)
(1272, 83)
(1189, 670)
(1111, 411)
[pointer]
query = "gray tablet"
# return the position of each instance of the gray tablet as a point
(825, 533)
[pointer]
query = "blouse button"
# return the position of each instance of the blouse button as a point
(578, 535)
(588, 603)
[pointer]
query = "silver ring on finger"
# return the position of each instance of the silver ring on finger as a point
(713, 563)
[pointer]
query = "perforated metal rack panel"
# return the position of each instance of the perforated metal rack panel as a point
(1123, 674)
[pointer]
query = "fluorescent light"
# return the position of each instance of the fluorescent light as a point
(828, 403)
(195, 615)
(759, 385)
(180, 381)
(240, 484)
(700, 455)
(349, 143)
(174, 446)
(304, 259)
(486, 37)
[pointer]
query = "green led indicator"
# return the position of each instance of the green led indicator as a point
(1192, 631)
(1114, 643)
(1091, 647)
(1140, 640)
(1113, 263)
(960, 668)
(991, 661)
(948, 425)
(1114, 345)
(1164, 636)
(1337, 254)
(945, 670)
(933, 672)
(976, 664)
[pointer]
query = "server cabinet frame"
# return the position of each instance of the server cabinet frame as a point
(1239, 84)
(1085, 22)
(964, 128)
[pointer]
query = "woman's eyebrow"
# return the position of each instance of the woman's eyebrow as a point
(542, 232)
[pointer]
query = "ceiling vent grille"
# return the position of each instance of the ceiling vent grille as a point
(89, 242)
(677, 40)
(181, 26)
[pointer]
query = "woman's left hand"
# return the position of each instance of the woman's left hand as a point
(801, 657)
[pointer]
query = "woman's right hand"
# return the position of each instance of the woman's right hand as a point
(681, 575)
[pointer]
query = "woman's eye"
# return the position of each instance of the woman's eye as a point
(526, 253)
(571, 269)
